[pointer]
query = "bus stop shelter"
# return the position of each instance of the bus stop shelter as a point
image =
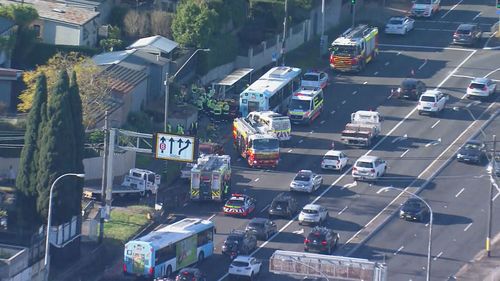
(233, 83)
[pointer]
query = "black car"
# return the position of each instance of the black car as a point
(190, 274)
(283, 205)
(415, 210)
(467, 34)
(262, 228)
(411, 89)
(321, 240)
(473, 151)
(239, 242)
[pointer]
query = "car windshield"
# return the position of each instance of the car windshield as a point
(233, 238)
(476, 86)
(472, 146)
(310, 77)
(302, 177)
(238, 203)
(256, 224)
(409, 85)
(331, 157)
(309, 211)
(463, 31)
(395, 21)
(344, 50)
(280, 205)
(362, 164)
(411, 206)
(422, 1)
(300, 105)
(239, 263)
(315, 236)
(428, 98)
(263, 144)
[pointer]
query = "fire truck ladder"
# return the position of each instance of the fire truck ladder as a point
(357, 32)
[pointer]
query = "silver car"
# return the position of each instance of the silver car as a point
(306, 181)
(313, 214)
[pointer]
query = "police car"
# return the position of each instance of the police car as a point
(314, 79)
(239, 205)
(306, 105)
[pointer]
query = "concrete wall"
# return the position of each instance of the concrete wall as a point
(219, 71)
(15, 263)
(5, 92)
(66, 34)
(138, 95)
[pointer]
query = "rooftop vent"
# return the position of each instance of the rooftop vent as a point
(58, 11)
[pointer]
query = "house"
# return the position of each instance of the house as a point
(63, 24)
(6, 30)
(10, 84)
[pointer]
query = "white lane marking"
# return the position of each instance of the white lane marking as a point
(433, 143)
(467, 227)
(257, 179)
(355, 92)
(452, 8)
(495, 197)
(472, 77)
(300, 141)
(485, 47)
(265, 208)
(332, 112)
(491, 72)
(404, 153)
(386, 63)
(341, 211)
(460, 192)
(435, 124)
(343, 102)
(400, 138)
(300, 231)
(399, 250)
(438, 255)
(349, 185)
(399, 53)
(476, 16)
(423, 64)
(211, 217)
(364, 83)
(312, 131)
(290, 150)
(383, 189)
(464, 96)
(425, 47)
(322, 122)
(376, 73)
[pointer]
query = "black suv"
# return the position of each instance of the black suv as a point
(414, 209)
(411, 89)
(467, 34)
(283, 205)
(262, 228)
(239, 242)
(473, 151)
(321, 240)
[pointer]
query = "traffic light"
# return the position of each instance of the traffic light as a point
(354, 2)
(498, 4)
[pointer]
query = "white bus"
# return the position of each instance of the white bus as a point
(169, 249)
(272, 91)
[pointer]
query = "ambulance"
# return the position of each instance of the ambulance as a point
(306, 105)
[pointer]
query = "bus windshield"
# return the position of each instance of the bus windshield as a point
(263, 144)
(341, 50)
(300, 105)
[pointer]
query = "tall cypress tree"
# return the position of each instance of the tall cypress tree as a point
(28, 164)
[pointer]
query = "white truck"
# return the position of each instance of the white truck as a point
(137, 182)
(326, 266)
(363, 129)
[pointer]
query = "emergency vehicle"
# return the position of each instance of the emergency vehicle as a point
(211, 177)
(239, 205)
(306, 105)
(354, 48)
(260, 149)
(271, 122)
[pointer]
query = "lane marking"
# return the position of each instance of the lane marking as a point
(452, 8)
(341, 211)
(467, 227)
(425, 47)
(211, 217)
(355, 92)
(376, 73)
(476, 16)
(290, 150)
(460, 192)
(464, 96)
(322, 122)
(382, 189)
(312, 131)
(438, 255)
(491, 72)
(300, 141)
(364, 83)
(435, 124)
(399, 250)
(404, 153)
(423, 64)
(399, 53)
(332, 112)
(495, 197)
(349, 185)
(387, 63)
(257, 179)
(485, 47)
(472, 77)
(343, 102)
(265, 208)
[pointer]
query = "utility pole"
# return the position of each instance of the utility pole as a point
(284, 32)
(104, 176)
(165, 117)
(353, 5)
(323, 39)
(490, 198)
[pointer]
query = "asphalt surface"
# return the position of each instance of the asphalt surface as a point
(410, 143)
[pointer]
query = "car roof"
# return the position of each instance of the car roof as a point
(314, 72)
(480, 80)
(242, 258)
(474, 142)
(413, 200)
(368, 158)
(333, 153)
(466, 26)
(311, 207)
(305, 172)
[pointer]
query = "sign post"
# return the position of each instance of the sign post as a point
(174, 147)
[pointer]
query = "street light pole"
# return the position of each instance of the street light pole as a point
(284, 32)
(490, 199)
(49, 219)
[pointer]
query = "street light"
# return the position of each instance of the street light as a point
(306, 265)
(431, 219)
(49, 218)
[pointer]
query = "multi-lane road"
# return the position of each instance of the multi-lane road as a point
(416, 148)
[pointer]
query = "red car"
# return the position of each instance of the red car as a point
(239, 205)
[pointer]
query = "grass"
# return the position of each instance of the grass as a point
(125, 223)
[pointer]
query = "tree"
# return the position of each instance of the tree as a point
(94, 85)
(113, 41)
(161, 23)
(136, 24)
(28, 164)
(194, 23)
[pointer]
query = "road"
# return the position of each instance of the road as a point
(426, 53)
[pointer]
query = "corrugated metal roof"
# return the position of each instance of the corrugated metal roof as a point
(124, 79)
(112, 57)
(235, 76)
(155, 44)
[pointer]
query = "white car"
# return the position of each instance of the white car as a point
(334, 160)
(313, 213)
(245, 266)
(369, 168)
(432, 101)
(481, 88)
(314, 79)
(399, 25)
(425, 8)
(306, 181)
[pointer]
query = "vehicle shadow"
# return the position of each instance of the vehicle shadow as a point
(449, 219)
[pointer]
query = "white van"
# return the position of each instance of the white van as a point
(425, 8)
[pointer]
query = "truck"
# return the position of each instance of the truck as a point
(211, 178)
(363, 129)
(258, 148)
(203, 148)
(326, 266)
(356, 47)
(272, 123)
(137, 182)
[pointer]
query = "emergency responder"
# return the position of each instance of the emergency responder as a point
(210, 106)
(169, 128)
(200, 102)
(218, 111)
(180, 129)
(225, 110)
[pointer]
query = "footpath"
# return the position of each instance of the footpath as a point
(482, 267)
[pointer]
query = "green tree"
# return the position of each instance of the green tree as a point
(28, 166)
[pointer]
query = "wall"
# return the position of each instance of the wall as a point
(219, 71)
(59, 33)
(91, 29)
(5, 92)
(138, 95)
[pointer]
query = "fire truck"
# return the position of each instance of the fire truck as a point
(211, 178)
(354, 48)
(271, 122)
(259, 148)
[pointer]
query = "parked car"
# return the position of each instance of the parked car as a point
(262, 228)
(494, 165)
(190, 274)
(467, 34)
(399, 25)
(414, 209)
(283, 205)
(313, 213)
(306, 181)
(473, 151)
(432, 102)
(481, 88)
(410, 88)
(334, 160)
(369, 168)
(239, 242)
(321, 240)
(244, 266)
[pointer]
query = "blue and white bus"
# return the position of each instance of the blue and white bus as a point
(169, 249)
(272, 91)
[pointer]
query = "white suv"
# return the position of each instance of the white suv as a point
(245, 266)
(432, 101)
(481, 88)
(369, 168)
(334, 160)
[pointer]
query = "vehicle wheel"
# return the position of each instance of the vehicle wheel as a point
(201, 257)
(266, 236)
(329, 251)
(169, 271)
(251, 276)
(406, 31)
(419, 112)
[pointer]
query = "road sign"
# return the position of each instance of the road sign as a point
(174, 147)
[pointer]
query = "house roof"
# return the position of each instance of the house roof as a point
(112, 57)
(125, 77)
(58, 11)
(5, 24)
(10, 74)
(155, 44)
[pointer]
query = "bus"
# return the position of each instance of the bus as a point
(169, 249)
(272, 91)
